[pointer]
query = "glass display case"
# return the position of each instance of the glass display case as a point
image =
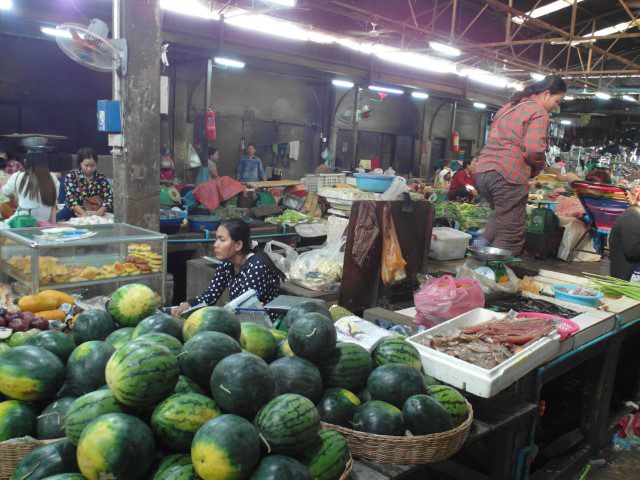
(91, 260)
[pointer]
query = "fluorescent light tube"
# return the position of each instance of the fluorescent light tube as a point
(192, 8)
(342, 83)
(603, 96)
(568, 98)
(394, 91)
(546, 9)
(446, 49)
(565, 122)
(282, 3)
(6, 4)
(629, 98)
(420, 95)
(54, 32)
(227, 62)
(537, 76)
(479, 105)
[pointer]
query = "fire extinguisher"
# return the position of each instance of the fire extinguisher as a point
(455, 141)
(210, 124)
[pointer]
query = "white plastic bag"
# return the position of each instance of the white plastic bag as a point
(319, 269)
(490, 287)
(283, 262)
(398, 187)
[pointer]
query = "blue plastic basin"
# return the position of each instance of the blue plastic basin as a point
(369, 182)
(589, 301)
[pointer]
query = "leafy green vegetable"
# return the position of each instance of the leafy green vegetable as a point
(466, 214)
(291, 217)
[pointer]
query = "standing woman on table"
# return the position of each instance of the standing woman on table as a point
(241, 269)
(87, 191)
(515, 153)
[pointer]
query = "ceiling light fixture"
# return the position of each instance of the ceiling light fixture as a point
(629, 98)
(565, 122)
(228, 62)
(281, 3)
(484, 77)
(416, 60)
(54, 32)
(394, 91)
(420, 95)
(6, 4)
(191, 8)
(446, 49)
(342, 83)
(537, 76)
(602, 95)
(479, 105)
(546, 10)
(568, 98)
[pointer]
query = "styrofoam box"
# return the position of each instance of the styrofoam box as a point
(477, 380)
(448, 244)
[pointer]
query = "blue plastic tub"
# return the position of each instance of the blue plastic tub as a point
(198, 223)
(168, 222)
(589, 301)
(369, 182)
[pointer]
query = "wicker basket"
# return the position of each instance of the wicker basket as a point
(12, 451)
(347, 469)
(409, 449)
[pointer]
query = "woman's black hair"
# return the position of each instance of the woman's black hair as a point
(466, 162)
(240, 231)
(251, 145)
(558, 159)
(212, 151)
(84, 153)
(554, 83)
(582, 162)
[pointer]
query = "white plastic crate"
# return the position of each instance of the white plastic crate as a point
(448, 244)
(477, 380)
(323, 180)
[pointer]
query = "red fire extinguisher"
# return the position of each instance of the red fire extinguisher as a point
(210, 124)
(455, 141)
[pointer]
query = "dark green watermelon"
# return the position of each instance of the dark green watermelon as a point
(364, 396)
(182, 472)
(165, 468)
(227, 444)
(288, 424)
(30, 373)
(338, 406)
(312, 336)
(394, 383)
(17, 420)
(200, 355)
(211, 319)
(424, 415)
(67, 476)
(430, 381)
(279, 467)
(92, 325)
(159, 323)
(380, 418)
(395, 350)
(116, 445)
(348, 367)
(119, 338)
(186, 385)
(328, 459)
(259, 341)
(297, 375)
(58, 343)
(51, 422)
(54, 458)
(85, 367)
(241, 383)
(86, 409)
(172, 343)
(303, 308)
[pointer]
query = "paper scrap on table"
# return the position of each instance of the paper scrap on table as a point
(361, 332)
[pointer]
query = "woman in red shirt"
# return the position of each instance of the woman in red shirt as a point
(462, 184)
(515, 153)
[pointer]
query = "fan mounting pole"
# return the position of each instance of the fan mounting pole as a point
(116, 141)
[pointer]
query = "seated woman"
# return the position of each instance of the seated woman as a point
(210, 170)
(462, 184)
(624, 240)
(87, 192)
(35, 188)
(240, 270)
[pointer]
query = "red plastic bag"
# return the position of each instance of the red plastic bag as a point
(444, 298)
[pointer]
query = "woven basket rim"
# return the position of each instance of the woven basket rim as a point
(347, 469)
(410, 438)
(28, 440)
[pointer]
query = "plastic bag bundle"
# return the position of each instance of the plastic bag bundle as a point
(444, 298)
(319, 269)
(281, 260)
(393, 263)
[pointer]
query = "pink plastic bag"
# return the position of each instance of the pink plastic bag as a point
(444, 298)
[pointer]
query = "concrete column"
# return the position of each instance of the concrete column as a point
(136, 170)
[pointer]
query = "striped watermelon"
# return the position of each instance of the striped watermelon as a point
(424, 415)
(338, 406)
(186, 385)
(380, 418)
(85, 367)
(142, 374)
(288, 423)
(30, 373)
(16, 420)
(312, 336)
(115, 445)
(200, 355)
(119, 338)
(52, 419)
(131, 303)
(395, 350)
(182, 472)
(347, 367)
(259, 341)
(297, 375)
(452, 401)
(279, 467)
(242, 383)
(58, 343)
(92, 325)
(284, 350)
(394, 383)
(168, 464)
(226, 448)
(177, 419)
(47, 460)
(86, 409)
(67, 476)
(308, 307)
(172, 343)
(159, 323)
(211, 319)
(328, 459)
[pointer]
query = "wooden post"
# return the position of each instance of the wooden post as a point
(136, 171)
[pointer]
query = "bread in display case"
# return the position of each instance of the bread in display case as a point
(93, 260)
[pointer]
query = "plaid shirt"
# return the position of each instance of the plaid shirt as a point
(12, 167)
(517, 142)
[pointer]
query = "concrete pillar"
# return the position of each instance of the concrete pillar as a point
(137, 169)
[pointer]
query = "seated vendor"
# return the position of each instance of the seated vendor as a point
(624, 241)
(462, 184)
(240, 270)
(87, 192)
(210, 170)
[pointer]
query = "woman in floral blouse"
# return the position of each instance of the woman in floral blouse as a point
(87, 192)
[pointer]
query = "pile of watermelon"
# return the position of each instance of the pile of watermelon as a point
(135, 394)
